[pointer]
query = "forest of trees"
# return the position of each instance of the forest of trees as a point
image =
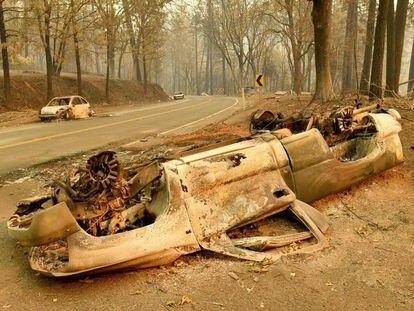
(327, 47)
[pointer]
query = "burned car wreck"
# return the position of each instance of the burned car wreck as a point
(109, 217)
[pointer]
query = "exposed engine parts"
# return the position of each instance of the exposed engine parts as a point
(104, 168)
(341, 124)
(100, 197)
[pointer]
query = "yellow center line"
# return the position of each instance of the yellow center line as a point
(35, 140)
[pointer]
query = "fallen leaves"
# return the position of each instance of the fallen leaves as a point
(184, 300)
(364, 230)
(137, 292)
(259, 267)
(292, 247)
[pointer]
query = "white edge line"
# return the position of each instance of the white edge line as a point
(189, 124)
(202, 119)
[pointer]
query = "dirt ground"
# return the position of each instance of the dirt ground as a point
(368, 265)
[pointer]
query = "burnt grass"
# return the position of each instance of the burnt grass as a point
(368, 265)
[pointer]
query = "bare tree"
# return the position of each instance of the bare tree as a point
(43, 14)
(293, 25)
(110, 18)
(133, 33)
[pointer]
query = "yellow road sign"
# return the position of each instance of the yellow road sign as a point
(259, 80)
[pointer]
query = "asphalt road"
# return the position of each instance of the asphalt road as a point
(24, 146)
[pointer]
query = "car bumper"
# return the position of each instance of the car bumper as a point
(47, 116)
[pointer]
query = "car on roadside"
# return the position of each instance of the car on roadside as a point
(178, 95)
(66, 107)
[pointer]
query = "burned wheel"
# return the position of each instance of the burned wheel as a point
(345, 118)
(104, 168)
(262, 121)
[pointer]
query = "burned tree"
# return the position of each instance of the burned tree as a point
(43, 14)
(322, 23)
(400, 22)
(5, 57)
(348, 76)
(389, 88)
(366, 67)
(378, 57)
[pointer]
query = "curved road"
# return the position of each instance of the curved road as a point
(24, 146)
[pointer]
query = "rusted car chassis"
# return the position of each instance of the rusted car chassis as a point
(109, 217)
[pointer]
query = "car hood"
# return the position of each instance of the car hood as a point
(52, 109)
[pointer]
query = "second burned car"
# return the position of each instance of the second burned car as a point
(66, 107)
(107, 217)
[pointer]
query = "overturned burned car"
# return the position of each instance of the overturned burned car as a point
(108, 217)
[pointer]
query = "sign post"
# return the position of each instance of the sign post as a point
(243, 99)
(259, 84)
(259, 81)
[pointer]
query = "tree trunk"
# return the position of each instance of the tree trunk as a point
(366, 67)
(121, 57)
(322, 23)
(206, 78)
(223, 71)
(211, 70)
(378, 56)
(97, 63)
(132, 39)
(296, 53)
(48, 53)
(348, 77)
(400, 22)
(411, 72)
(78, 62)
(389, 88)
(145, 71)
(297, 74)
(107, 73)
(144, 63)
(197, 82)
(110, 29)
(112, 61)
(26, 7)
(5, 58)
(76, 46)
(309, 70)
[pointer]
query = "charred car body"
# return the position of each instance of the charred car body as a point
(67, 107)
(108, 217)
